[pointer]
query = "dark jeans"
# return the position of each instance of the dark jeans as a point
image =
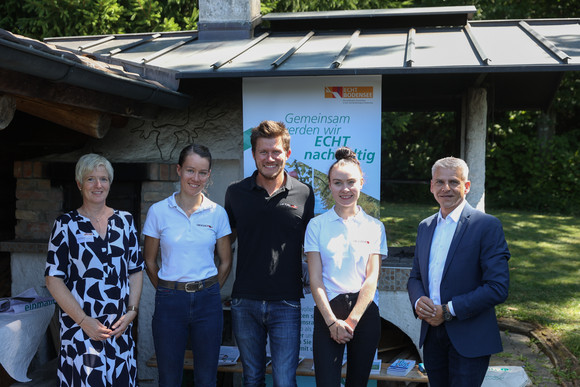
(446, 367)
(180, 315)
(255, 320)
(328, 354)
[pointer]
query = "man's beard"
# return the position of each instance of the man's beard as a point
(272, 176)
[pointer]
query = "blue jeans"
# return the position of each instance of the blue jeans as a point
(253, 321)
(446, 367)
(180, 315)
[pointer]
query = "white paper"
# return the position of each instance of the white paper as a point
(506, 376)
(20, 335)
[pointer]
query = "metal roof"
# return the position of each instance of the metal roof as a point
(420, 49)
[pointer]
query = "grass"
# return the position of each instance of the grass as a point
(544, 267)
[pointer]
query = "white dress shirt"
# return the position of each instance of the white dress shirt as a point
(440, 244)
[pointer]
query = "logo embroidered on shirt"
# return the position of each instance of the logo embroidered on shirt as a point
(362, 241)
(204, 225)
(293, 206)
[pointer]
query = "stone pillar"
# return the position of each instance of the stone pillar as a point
(162, 181)
(474, 143)
(546, 128)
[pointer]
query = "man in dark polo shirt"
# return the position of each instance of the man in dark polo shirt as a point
(268, 213)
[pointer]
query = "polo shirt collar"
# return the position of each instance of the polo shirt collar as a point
(287, 185)
(205, 204)
(171, 200)
(357, 217)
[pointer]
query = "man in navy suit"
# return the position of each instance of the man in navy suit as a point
(460, 272)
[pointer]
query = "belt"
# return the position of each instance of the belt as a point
(190, 287)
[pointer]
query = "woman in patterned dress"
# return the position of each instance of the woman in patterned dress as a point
(94, 271)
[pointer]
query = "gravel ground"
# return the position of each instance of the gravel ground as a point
(519, 350)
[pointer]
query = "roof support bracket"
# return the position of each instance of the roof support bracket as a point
(282, 58)
(545, 42)
(134, 44)
(344, 52)
(410, 48)
(482, 56)
(159, 53)
(220, 63)
(96, 43)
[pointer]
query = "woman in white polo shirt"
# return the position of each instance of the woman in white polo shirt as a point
(188, 228)
(344, 247)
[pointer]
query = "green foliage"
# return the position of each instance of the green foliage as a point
(330, 5)
(179, 15)
(145, 15)
(566, 104)
(411, 142)
(566, 373)
(527, 173)
(43, 18)
(510, 9)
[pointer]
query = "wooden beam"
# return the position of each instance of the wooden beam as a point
(29, 86)
(89, 122)
(7, 109)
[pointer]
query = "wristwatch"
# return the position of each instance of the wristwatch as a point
(447, 316)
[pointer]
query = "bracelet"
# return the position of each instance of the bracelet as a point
(332, 323)
(83, 319)
(133, 308)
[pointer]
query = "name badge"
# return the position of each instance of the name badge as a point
(85, 237)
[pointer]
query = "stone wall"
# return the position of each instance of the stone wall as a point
(37, 202)
(394, 304)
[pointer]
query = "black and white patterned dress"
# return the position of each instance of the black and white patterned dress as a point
(96, 271)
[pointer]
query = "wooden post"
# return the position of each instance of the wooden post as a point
(7, 109)
(89, 122)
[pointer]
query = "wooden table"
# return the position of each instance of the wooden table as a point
(305, 369)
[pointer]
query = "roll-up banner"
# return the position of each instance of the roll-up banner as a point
(321, 114)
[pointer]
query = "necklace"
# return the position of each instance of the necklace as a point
(95, 220)
(94, 217)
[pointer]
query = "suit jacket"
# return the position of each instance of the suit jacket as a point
(475, 277)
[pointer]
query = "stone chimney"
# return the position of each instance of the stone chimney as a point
(228, 19)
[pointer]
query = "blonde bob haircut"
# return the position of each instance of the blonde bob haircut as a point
(89, 163)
